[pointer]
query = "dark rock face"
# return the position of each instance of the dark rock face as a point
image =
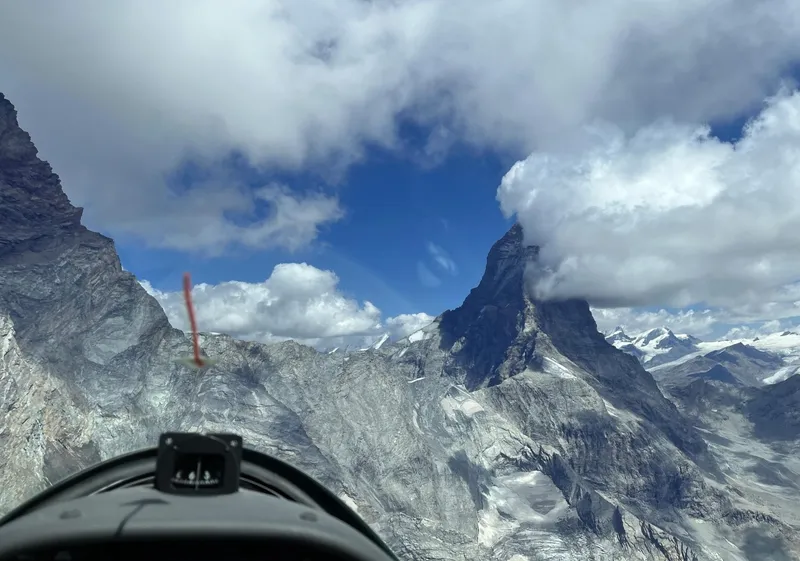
(508, 429)
(487, 335)
(732, 354)
(775, 410)
(33, 208)
(718, 373)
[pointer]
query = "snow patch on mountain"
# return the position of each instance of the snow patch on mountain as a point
(782, 374)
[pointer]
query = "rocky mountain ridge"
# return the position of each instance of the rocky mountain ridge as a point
(509, 429)
(734, 364)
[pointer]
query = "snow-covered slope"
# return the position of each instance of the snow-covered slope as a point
(618, 337)
(655, 346)
(785, 344)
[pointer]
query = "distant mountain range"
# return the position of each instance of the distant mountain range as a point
(655, 346)
(675, 359)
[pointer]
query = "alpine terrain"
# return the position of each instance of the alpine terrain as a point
(509, 429)
(655, 346)
(680, 359)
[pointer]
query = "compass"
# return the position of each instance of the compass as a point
(205, 464)
(193, 471)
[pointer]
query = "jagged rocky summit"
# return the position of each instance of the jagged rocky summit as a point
(508, 429)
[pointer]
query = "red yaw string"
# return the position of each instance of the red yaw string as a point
(187, 294)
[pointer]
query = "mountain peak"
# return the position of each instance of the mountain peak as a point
(16, 144)
(618, 335)
(494, 334)
(35, 208)
(489, 332)
(504, 277)
(731, 352)
(501, 331)
(655, 333)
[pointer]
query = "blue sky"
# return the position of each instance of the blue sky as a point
(395, 207)
(395, 159)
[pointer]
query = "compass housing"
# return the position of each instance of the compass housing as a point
(198, 464)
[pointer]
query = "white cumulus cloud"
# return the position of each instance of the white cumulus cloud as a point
(406, 324)
(117, 94)
(698, 323)
(709, 324)
(669, 216)
(197, 222)
(760, 330)
(298, 301)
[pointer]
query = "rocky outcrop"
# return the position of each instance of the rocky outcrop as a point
(35, 210)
